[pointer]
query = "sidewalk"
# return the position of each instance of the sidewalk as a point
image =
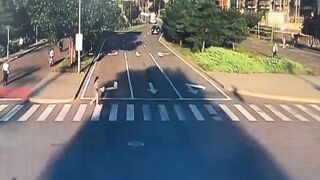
(300, 88)
(30, 48)
(287, 87)
(57, 88)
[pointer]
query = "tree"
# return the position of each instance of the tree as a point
(311, 26)
(59, 18)
(174, 20)
(202, 24)
(252, 18)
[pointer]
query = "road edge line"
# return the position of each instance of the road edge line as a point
(194, 69)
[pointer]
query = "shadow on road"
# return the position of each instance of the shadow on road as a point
(174, 149)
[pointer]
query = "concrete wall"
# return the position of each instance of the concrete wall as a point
(275, 19)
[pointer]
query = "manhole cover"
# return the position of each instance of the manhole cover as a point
(135, 143)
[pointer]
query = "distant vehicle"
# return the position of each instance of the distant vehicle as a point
(155, 29)
(153, 19)
(113, 53)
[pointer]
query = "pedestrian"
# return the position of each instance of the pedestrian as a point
(274, 50)
(51, 57)
(5, 70)
(96, 86)
(61, 45)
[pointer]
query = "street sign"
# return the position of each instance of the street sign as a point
(79, 40)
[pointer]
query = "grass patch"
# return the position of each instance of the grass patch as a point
(224, 60)
(66, 67)
(241, 61)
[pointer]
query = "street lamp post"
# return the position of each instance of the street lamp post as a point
(8, 42)
(79, 33)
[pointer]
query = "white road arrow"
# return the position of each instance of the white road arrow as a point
(114, 87)
(193, 88)
(152, 89)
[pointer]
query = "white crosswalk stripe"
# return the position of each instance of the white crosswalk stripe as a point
(11, 113)
(96, 113)
(261, 113)
(212, 112)
(163, 112)
(29, 113)
(2, 107)
(146, 112)
(245, 113)
(294, 113)
(310, 113)
(63, 113)
(277, 113)
(130, 112)
(179, 112)
(79, 114)
(196, 112)
(315, 107)
(228, 111)
(113, 112)
(46, 112)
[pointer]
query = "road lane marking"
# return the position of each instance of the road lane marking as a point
(29, 113)
(196, 112)
(245, 113)
(46, 112)
(277, 113)
(194, 69)
(128, 74)
(315, 107)
(179, 112)
(2, 107)
(231, 115)
(96, 113)
(11, 113)
(78, 116)
(212, 112)
(310, 113)
(130, 112)
(261, 113)
(88, 80)
(163, 112)
(146, 112)
(294, 113)
(63, 113)
(164, 74)
(113, 112)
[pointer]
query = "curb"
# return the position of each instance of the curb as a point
(269, 96)
(243, 92)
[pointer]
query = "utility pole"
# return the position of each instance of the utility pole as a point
(79, 33)
(36, 33)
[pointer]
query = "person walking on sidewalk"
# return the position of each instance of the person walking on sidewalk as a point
(5, 70)
(274, 50)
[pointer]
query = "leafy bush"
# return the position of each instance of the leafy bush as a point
(224, 60)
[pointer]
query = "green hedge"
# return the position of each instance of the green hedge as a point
(224, 60)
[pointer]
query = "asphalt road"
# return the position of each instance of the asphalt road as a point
(136, 134)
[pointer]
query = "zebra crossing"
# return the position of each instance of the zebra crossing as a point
(163, 112)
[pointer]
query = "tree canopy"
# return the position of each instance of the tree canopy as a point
(202, 24)
(59, 18)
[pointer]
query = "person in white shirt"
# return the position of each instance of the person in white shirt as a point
(5, 70)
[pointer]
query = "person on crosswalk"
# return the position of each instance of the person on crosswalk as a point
(5, 70)
(98, 91)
